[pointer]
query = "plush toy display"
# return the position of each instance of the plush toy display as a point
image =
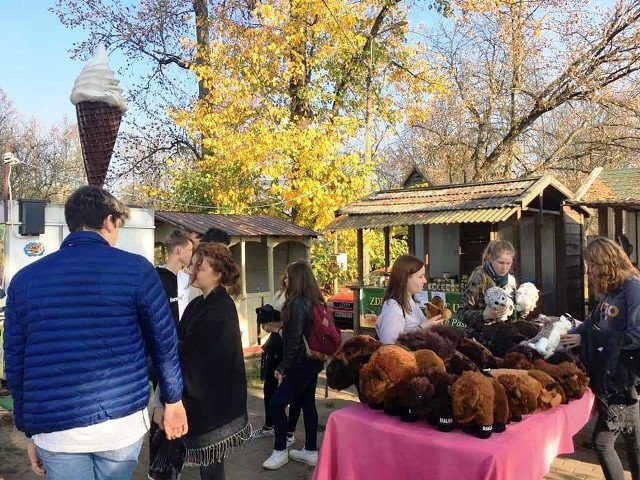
(572, 380)
(548, 339)
(497, 298)
(500, 337)
(427, 360)
(437, 307)
(420, 339)
(522, 391)
(388, 366)
(343, 369)
(478, 353)
(440, 413)
(452, 334)
(472, 400)
(517, 361)
(527, 296)
(460, 363)
(553, 394)
(415, 398)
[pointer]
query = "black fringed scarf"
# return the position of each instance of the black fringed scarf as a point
(215, 385)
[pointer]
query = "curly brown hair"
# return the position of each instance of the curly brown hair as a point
(219, 257)
(609, 266)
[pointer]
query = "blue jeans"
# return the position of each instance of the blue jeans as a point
(109, 465)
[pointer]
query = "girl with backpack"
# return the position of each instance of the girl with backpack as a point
(297, 374)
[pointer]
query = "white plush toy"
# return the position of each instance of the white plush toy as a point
(496, 298)
(548, 339)
(527, 296)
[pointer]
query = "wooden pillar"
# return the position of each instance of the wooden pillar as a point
(411, 240)
(270, 270)
(243, 270)
(539, 219)
(425, 249)
(387, 250)
(603, 221)
(360, 246)
(561, 290)
(617, 223)
(515, 228)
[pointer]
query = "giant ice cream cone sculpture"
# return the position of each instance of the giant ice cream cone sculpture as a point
(99, 107)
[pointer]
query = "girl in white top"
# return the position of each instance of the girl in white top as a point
(400, 311)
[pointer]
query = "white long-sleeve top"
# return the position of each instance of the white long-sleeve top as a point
(392, 321)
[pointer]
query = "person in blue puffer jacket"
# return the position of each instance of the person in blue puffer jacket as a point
(78, 325)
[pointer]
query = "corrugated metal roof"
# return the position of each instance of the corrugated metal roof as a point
(490, 195)
(235, 225)
(446, 216)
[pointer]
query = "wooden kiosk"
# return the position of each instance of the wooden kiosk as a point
(450, 225)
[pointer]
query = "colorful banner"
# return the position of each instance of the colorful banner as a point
(370, 304)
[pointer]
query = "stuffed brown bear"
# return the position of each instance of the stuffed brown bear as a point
(472, 400)
(440, 413)
(522, 391)
(414, 398)
(420, 339)
(478, 353)
(428, 360)
(437, 307)
(552, 393)
(388, 366)
(460, 363)
(343, 369)
(572, 380)
(517, 361)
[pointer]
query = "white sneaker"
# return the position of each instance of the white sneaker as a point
(305, 456)
(277, 459)
(262, 432)
(290, 440)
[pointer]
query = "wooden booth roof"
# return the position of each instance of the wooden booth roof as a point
(610, 187)
(463, 203)
(235, 225)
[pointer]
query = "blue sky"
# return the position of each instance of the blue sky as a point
(36, 70)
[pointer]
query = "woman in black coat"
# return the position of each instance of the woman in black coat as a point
(297, 374)
(212, 362)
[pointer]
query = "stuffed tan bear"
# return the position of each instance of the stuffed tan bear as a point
(572, 380)
(472, 399)
(522, 391)
(343, 369)
(388, 366)
(427, 360)
(553, 394)
(437, 307)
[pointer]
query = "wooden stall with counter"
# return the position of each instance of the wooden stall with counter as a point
(450, 225)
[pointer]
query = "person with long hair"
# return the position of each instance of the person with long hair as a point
(212, 363)
(610, 346)
(497, 260)
(400, 312)
(297, 374)
(271, 357)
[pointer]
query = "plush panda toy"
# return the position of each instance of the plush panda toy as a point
(496, 298)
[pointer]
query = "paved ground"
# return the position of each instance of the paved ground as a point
(246, 464)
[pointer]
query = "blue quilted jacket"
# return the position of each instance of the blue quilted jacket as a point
(77, 322)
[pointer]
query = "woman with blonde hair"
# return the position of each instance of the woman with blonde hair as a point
(497, 261)
(610, 348)
(400, 312)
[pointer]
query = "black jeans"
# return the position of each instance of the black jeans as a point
(299, 384)
(615, 419)
(269, 388)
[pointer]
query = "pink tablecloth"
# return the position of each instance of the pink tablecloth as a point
(360, 443)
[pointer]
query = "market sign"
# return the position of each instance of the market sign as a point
(370, 304)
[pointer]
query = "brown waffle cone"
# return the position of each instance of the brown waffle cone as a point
(98, 125)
